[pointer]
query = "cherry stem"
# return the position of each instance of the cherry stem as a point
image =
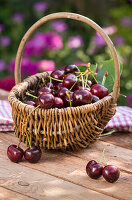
(87, 85)
(74, 84)
(89, 70)
(55, 79)
(26, 129)
(27, 93)
(103, 156)
(43, 82)
(18, 144)
(104, 78)
(82, 82)
(50, 82)
(28, 139)
(109, 133)
(32, 111)
(94, 78)
(67, 93)
(86, 80)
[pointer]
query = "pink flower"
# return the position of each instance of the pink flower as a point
(41, 42)
(7, 83)
(119, 40)
(28, 67)
(5, 41)
(126, 21)
(98, 40)
(53, 40)
(110, 30)
(18, 17)
(46, 65)
(129, 100)
(75, 42)
(2, 65)
(36, 45)
(41, 6)
(59, 25)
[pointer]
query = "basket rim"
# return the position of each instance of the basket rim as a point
(20, 87)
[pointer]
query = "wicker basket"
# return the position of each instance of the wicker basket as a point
(55, 128)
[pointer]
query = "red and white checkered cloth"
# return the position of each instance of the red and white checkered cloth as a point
(5, 116)
(121, 121)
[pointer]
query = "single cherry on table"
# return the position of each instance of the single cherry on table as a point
(94, 169)
(33, 154)
(15, 153)
(111, 173)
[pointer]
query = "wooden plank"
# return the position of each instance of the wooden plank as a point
(38, 185)
(122, 139)
(115, 155)
(72, 168)
(41, 186)
(6, 194)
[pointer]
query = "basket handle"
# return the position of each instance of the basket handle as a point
(77, 17)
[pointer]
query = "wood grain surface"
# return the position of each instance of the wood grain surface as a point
(62, 176)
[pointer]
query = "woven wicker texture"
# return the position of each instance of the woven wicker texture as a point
(60, 128)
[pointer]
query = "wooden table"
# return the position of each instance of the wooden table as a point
(62, 176)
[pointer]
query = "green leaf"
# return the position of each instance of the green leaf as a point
(83, 68)
(108, 66)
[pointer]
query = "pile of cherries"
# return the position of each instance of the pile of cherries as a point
(96, 170)
(32, 154)
(68, 88)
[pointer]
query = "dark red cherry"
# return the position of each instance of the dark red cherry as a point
(67, 101)
(58, 102)
(31, 103)
(69, 80)
(94, 98)
(43, 89)
(33, 155)
(50, 85)
(58, 86)
(71, 69)
(36, 102)
(89, 83)
(95, 171)
(78, 87)
(54, 93)
(46, 100)
(15, 153)
(90, 164)
(111, 173)
(57, 74)
(99, 90)
(62, 92)
(82, 97)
